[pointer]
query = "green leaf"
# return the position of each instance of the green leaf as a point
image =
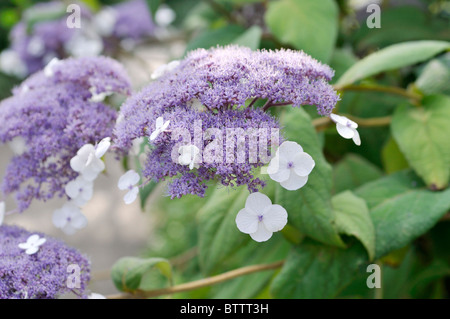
(250, 38)
(212, 38)
(435, 76)
(309, 208)
(422, 133)
(392, 157)
(217, 231)
(353, 219)
(307, 25)
(314, 271)
(153, 6)
(145, 192)
(127, 272)
(401, 209)
(7, 82)
(393, 57)
(353, 171)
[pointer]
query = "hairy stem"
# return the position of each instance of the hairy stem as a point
(141, 294)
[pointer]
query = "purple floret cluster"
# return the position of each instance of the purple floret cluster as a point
(42, 275)
(54, 115)
(225, 82)
(43, 33)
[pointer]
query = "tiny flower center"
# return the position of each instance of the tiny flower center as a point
(290, 164)
(349, 124)
(260, 218)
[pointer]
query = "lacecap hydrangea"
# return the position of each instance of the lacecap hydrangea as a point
(217, 89)
(50, 116)
(41, 275)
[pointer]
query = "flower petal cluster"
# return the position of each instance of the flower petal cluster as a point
(54, 117)
(42, 274)
(225, 82)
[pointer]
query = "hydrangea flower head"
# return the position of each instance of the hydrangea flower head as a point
(54, 117)
(211, 93)
(41, 275)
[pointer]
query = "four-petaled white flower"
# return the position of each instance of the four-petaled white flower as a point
(291, 166)
(260, 219)
(128, 182)
(80, 190)
(88, 161)
(32, 245)
(2, 212)
(189, 155)
(161, 126)
(346, 128)
(69, 218)
(163, 69)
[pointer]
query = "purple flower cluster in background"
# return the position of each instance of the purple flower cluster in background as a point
(219, 87)
(43, 34)
(42, 275)
(52, 114)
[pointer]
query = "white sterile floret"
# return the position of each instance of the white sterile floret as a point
(11, 63)
(189, 155)
(105, 21)
(291, 166)
(48, 70)
(31, 246)
(69, 219)
(88, 161)
(80, 191)
(163, 69)
(128, 182)
(346, 128)
(18, 145)
(161, 126)
(2, 212)
(260, 219)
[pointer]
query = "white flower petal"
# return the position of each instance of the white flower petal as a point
(129, 179)
(165, 125)
(24, 245)
(40, 242)
(68, 229)
(303, 164)
(18, 145)
(78, 220)
(91, 172)
(247, 221)
(72, 188)
(262, 234)
(257, 203)
(288, 150)
(159, 122)
(294, 182)
(102, 147)
(49, 68)
(339, 119)
(356, 138)
(154, 134)
(131, 196)
(275, 218)
(77, 163)
(32, 250)
(277, 170)
(345, 131)
(33, 239)
(59, 218)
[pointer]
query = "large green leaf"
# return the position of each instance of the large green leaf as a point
(392, 57)
(316, 271)
(128, 272)
(250, 38)
(402, 209)
(422, 134)
(309, 208)
(218, 234)
(307, 25)
(353, 219)
(353, 171)
(212, 38)
(392, 157)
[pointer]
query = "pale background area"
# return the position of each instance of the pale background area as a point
(114, 230)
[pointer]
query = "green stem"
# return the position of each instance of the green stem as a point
(379, 88)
